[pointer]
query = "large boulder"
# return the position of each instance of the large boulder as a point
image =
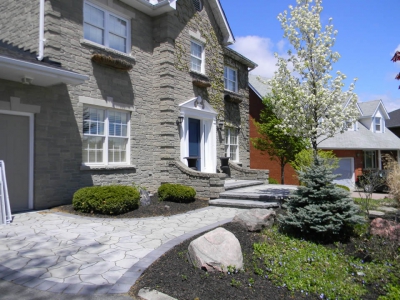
(215, 251)
(385, 228)
(256, 219)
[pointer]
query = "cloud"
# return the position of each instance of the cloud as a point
(261, 51)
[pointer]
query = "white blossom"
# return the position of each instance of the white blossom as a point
(306, 96)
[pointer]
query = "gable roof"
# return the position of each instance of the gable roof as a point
(259, 85)
(369, 109)
(240, 58)
(362, 139)
(394, 120)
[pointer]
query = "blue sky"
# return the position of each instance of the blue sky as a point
(367, 39)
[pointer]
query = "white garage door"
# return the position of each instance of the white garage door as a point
(346, 171)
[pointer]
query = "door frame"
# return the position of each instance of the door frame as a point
(31, 150)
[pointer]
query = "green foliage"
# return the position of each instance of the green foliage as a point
(393, 293)
(280, 147)
(305, 159)
(308, 267)
(176, 193)
(346, 188)
(272, 181)
(318, 209)
(107, 200)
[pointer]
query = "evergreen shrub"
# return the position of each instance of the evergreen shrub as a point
(319, 209)
(176, 193)
(106, 200)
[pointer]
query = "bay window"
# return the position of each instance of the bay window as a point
(105, 28)
(105, 136)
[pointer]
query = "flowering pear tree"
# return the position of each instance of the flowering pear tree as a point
(307, 97)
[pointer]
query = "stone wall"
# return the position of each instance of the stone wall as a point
(238, 172)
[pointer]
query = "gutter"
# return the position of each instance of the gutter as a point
(41, 30)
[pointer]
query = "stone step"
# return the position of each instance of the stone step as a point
(235, 203)
(232, 184)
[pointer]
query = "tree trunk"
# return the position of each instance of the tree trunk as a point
(282, 171)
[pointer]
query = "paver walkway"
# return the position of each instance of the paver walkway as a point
(58, 252)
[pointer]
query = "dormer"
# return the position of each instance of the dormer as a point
(373, 115)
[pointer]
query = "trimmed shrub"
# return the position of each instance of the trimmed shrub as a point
(106, 200)
(343, 187)
(176, 193)
(272, 181)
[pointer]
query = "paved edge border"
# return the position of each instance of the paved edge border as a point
(123, 284)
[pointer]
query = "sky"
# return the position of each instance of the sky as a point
(368, 36)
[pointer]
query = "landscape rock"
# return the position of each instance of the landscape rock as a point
(144, 197)
(215, 251)
(256, 219)
(385, 228)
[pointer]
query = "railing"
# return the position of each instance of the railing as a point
(5, 210)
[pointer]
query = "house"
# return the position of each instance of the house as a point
(394, 122)
(364, 143)
(362, 146)
(259, 160)
(98, 92)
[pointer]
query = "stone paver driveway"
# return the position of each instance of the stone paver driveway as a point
(65, 253)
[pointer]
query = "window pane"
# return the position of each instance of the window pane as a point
(196, 50)
(93, 121)
(117, 123)
(195, 64)
(94, 16)
(93, 34)
(117, 150)
(232, 75)
(233, 152)
(117, 43)
(92, 149)
(117, 26)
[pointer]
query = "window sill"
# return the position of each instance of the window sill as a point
(233, 97)
(108, 50)
(196, 75)
(107, 168)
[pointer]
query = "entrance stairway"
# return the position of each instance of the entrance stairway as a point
(252, 194)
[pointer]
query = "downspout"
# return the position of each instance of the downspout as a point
(41, 30)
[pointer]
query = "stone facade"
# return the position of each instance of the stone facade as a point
(158, 82)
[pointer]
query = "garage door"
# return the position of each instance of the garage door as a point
(14, 150)
(346, 172)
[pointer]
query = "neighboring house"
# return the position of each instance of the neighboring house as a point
(394, 122)
(122, 91)
(258, 159)
(364, 144)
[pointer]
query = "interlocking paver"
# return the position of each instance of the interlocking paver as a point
(72, 254)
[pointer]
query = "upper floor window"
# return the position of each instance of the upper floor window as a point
(196, 57)
(377, 123)
(105, 28)
(230, 79)
(232, 143)
(105, 136)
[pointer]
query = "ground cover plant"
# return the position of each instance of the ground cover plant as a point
(277, 266)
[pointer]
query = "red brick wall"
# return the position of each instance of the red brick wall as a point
(262, 161)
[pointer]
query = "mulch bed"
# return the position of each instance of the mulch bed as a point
(173, 275)
(156, 208)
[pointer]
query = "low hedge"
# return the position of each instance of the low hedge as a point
(176, 193)
(106, 200)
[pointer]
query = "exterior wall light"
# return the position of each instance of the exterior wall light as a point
(179, 121)
(220, 126)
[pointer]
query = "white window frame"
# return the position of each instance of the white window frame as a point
(226, 69)
(228, 144)
(106, 29)
(106, 136)
(374, 166)
(202, 58)
(378, 124)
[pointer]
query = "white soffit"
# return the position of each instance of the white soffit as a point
(37, 74)
(222, 22)
(151, 9)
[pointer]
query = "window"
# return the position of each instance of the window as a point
(230, 79)
(196, 57)
(369, 160)
(378, 125)
(105, 136)
(105, 28)
(231, 143)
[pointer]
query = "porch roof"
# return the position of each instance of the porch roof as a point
(362, 139)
